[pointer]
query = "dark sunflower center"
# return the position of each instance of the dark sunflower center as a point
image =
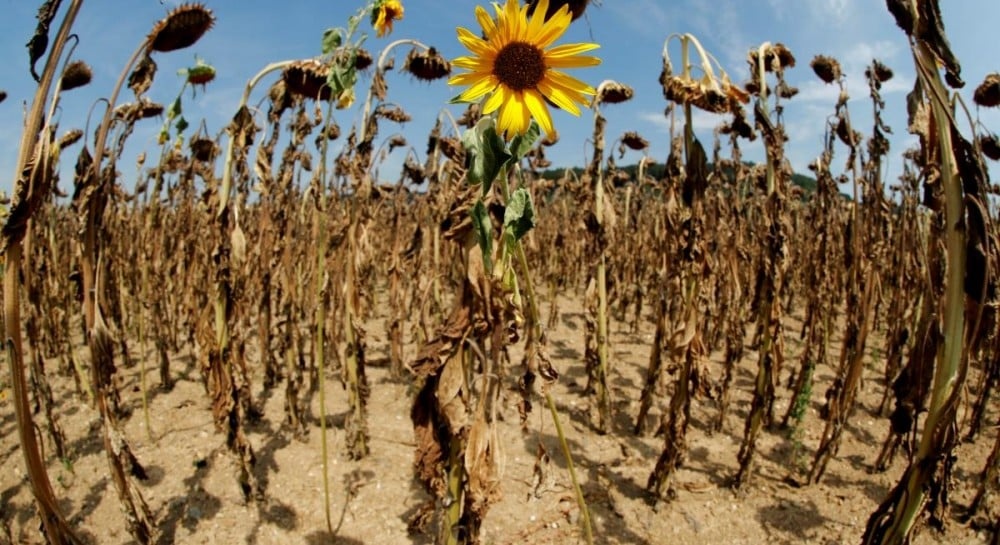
(519, 66)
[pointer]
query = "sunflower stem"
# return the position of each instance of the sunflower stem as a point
(535, 324)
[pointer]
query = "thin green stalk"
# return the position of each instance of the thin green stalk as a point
(534, 322)
(321, 298)
(454, 509)
(580, 500)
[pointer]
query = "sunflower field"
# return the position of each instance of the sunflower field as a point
(251, 337)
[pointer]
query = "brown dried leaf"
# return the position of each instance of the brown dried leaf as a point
(379, 88)
(142, 76)
(931, 31)
(239, 244)
(39, 42)
(481, 467)
(449, 393)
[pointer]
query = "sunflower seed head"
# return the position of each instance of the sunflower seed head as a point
(879, 71)
(687, 91)
(362, 59)
(990, 146)
(307, 79)
(203, 149)
(826, 68)
(181, 28)
(77, 74)
(428, 65)
(392, 113)
(71, 137)
(777, 58)
(634, 141)
(612, 92)
(987, 94)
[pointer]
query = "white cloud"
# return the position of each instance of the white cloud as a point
(814, 90)
(700, 120)
(860, 54)
(836, 11)
(839, 9)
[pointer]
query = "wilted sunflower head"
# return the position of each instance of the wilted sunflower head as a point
(634, 141)
(383, 15)
(990, 145)
(514, 64)
(826, 68)
(612, 92)
(203, 149)
(71, 137)
(362, 59)
(182, 27)
(76, 74)
(307, 79)
(987, 94)
(427, 65)
(712, 92)
(879, 72)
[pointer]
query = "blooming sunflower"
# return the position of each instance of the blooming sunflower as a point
(385, 12)
(514, 62)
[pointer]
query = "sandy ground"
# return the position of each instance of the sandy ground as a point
(193, 493)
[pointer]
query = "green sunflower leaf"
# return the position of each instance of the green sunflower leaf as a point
(486, 153)
(519, 216)
(484, 232)
(175, 109)
(332, 39)
(521, 144)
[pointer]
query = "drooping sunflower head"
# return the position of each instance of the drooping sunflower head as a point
(383, 15)
(517, 66)
(182, 27)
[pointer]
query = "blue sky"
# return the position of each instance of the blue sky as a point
(251, 33)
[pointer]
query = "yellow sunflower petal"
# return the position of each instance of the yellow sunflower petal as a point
(538, 18)
(473, 43)
(478, 64)
(539, 111)
(485, 21)
(512, 17)
(495, 100)
(578, 61)
(554, 28)
(569, 82)
(568, 50)
(514, 115)
(480, 88)
(559, 97)
(469, 78)
(499, 35)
